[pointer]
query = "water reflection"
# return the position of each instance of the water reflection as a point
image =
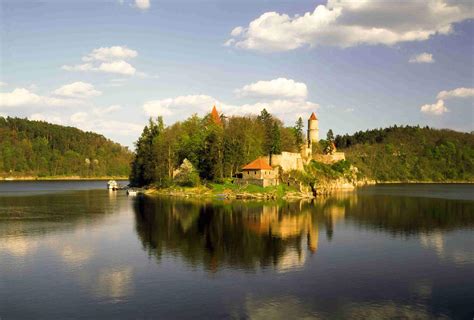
(353, 255)
(281, 235)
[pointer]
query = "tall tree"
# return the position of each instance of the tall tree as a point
(298, 132)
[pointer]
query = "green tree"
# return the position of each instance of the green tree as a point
(298, 132)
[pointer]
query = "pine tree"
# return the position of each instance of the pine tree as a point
(298, 132)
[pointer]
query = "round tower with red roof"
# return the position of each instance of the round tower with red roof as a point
(313, 130)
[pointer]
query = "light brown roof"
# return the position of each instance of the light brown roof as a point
(313, 116)
(258, 164)
(215, 116)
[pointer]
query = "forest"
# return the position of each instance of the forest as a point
(217, 147)
(40, 149)
(410, 153)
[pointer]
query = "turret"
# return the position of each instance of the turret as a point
(313, 130)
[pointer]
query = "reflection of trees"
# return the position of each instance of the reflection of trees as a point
(239, 234)
(252, 234)
(410, 215)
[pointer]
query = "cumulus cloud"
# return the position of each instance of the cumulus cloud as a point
(182, 104)
(178, 108)
(422, 58)
(110, 54)
(79, 90)
(51, 118)
(20, 97)
(277, 88)
(120, 67)
(95, 122)
(108, 60)
(437, 108)
(456, 93)
(79, 117)
(142, 4)
(106, 110)
(347, 23)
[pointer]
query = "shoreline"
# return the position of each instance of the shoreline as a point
(203, 192)
(61, 178)
(424, 182)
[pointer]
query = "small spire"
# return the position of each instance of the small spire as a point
(215, 116)
(313, 116)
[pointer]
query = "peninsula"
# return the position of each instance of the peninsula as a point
(260, 157)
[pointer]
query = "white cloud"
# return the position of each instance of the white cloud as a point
(95, 122)
(108, 60)
(422, 58)
(79, 67)
(3, 84)
(79, 90)
(79, 117)
(48, 118)
(237, 31)
(142, 4)
(346, 23)
(437, 108)
(107, 110)
(20, 97)
(110, 54)
(120, 67)
(276, 88)
(181, 107)
(456, 93)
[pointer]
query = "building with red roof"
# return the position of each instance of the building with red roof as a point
(259, 172)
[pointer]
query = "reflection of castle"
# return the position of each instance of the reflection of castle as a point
(285, 226)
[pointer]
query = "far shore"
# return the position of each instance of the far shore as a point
(424, 182)
(61, 178)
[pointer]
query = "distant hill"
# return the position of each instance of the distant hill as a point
(411, 153)
(41, 149)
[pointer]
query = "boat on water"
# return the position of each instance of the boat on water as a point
(132, 192)
(112, 185)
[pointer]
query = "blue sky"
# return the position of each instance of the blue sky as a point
(107, 66)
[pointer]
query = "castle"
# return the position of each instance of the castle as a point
(266, 171)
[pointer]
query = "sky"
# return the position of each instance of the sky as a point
(107, 66)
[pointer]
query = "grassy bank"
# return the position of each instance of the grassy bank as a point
(228, 190)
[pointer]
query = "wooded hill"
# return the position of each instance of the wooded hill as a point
(410, 153)
(41, 149)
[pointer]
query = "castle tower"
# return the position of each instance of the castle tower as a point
(313, 130)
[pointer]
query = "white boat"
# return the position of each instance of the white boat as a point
(132, 192)
(112, 185)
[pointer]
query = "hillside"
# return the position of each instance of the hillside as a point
(41, 149)
(411, 154)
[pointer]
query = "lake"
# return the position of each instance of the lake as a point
(76, 250)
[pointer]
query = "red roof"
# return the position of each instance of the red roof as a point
(215, 116)
(258, 164)
(313, 116)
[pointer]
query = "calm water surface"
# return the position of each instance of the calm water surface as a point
(76, 250)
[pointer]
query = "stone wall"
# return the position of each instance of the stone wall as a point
(287, 161)
(330, 158)
(259, 182)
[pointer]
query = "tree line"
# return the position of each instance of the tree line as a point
(216, 149)
(405, 153)
(38, 148)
